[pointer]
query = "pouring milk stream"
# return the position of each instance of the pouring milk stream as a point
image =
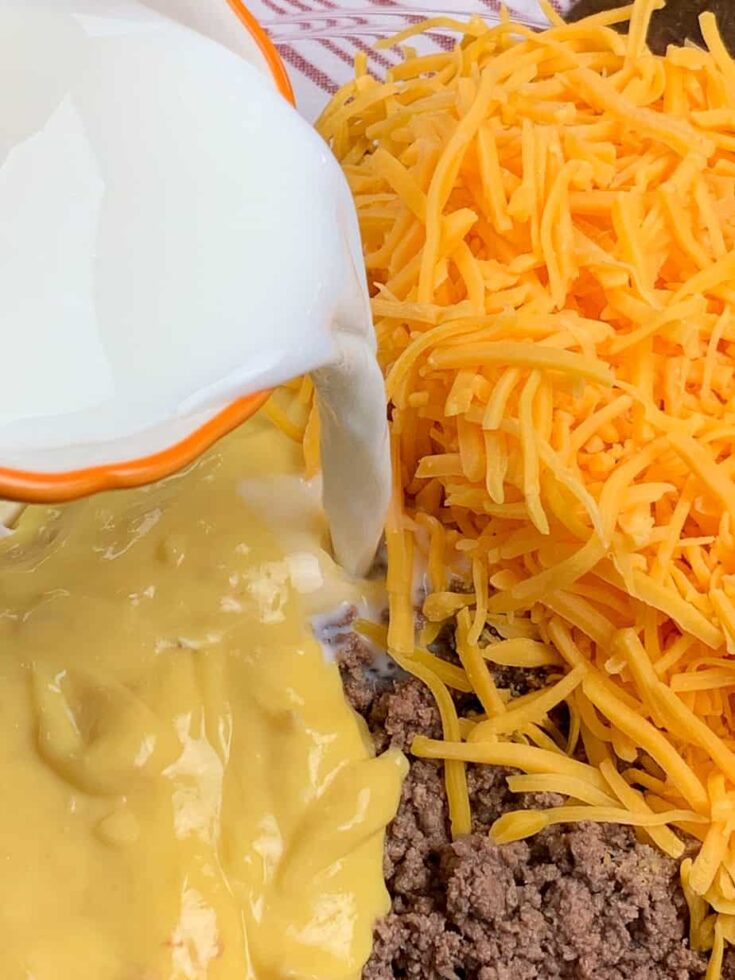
(173, 236)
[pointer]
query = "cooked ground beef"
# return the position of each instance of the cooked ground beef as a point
(584, 901)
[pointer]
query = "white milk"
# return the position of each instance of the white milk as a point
(172, 235)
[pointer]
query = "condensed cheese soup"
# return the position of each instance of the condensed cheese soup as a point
(186, 792)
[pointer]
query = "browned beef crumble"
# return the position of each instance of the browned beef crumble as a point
(584, 901)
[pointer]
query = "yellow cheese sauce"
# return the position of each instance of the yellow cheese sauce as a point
(185, 792)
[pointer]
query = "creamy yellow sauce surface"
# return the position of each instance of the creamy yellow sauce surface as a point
(186, 793)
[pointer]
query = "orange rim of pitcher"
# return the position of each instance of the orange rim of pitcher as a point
(40, 487)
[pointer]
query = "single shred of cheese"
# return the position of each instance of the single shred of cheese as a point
(521, 652)
(476, 667)
(698, 909)
(714, 967)
(549, 783)
(455, 778)
(515, 824)
(512, 754)
(548, 221)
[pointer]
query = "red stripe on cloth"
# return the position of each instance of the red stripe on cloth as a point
(301, 64)
(441, 40)
(324, 42)
(493, 5)
(377, 56)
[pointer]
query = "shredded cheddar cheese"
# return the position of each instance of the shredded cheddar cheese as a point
(548, 222)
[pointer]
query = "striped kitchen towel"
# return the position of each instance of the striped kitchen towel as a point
(318, 39)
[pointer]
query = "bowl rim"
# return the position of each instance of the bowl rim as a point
(31, 486)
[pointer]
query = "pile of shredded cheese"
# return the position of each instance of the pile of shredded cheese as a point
(549, 230)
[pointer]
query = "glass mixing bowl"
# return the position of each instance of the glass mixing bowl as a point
(318, 39)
